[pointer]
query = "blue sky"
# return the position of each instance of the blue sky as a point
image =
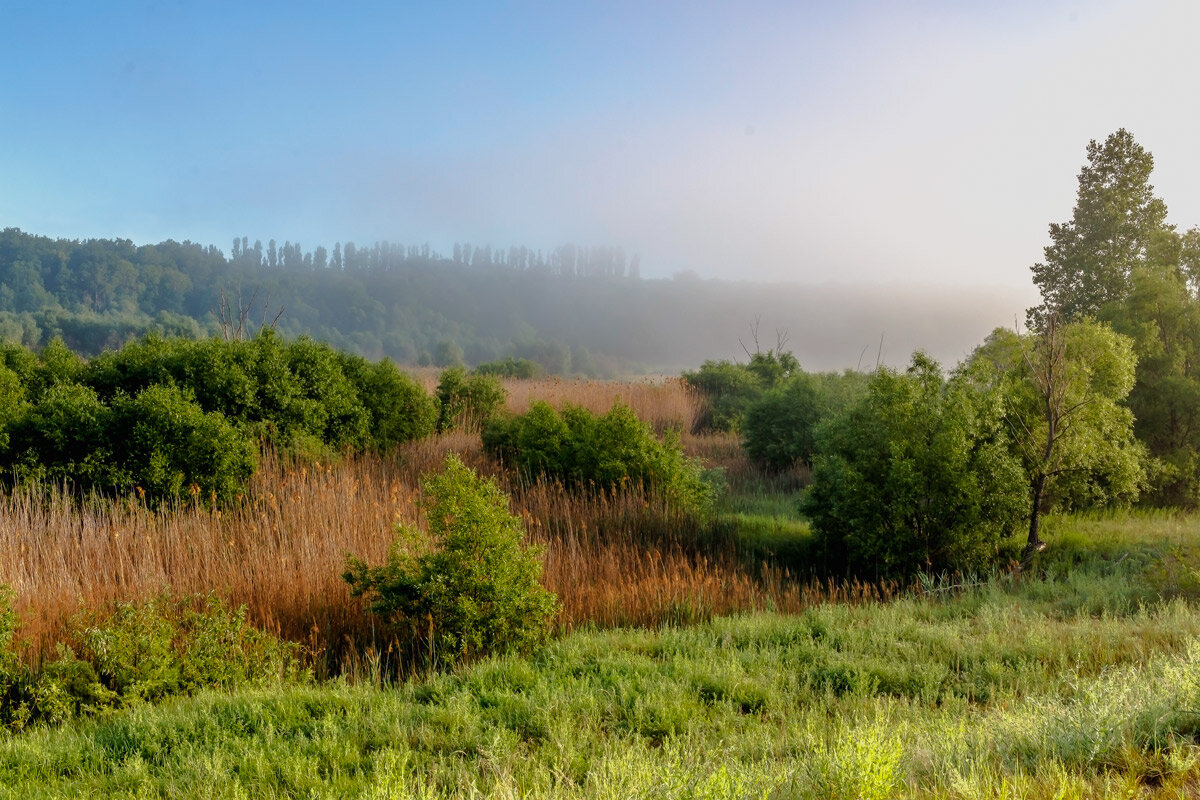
(870, 142)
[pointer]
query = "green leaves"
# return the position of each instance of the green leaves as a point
(477, 590)
(172, 419)
(1116, 227)
(597, 451)
(916, 475)
(467, 401)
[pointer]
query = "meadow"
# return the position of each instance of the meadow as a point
(693, 658)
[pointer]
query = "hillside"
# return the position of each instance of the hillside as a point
(573, 310)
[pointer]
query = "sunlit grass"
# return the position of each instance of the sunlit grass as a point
(977, 695)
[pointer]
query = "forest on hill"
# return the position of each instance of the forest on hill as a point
(581, 311)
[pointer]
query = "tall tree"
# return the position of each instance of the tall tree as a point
(1116, 221)
(1064, 388)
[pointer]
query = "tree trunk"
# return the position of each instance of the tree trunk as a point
(1034, 543)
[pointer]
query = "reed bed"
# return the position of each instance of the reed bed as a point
(663, 402)
(614, 558)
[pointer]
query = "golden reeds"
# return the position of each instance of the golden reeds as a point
(662, 402)
(614, 558)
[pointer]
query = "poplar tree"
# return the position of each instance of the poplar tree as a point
(1117, 226)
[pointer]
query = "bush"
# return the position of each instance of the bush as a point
(467, 401)
(62, 437)
(580, 448)
(169, 646)
(176, 417)
(165, 445)
(779, 427)
(399, 408)
(335, 415)
(510, 367)
(477, 591)
(916, 476)
(140, 652)
(728, 389)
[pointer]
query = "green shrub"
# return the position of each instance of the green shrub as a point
(140, 652)
(164, 444)
(522, 368)
(62, 437)
(130, 651)
(56, 365)
(178, 417)
(338, 416)
(727, 388)
(399, 408)
(136, 366)
(12, 401)
(916, 476)
(583, 449)
(8, 629)
(477, 591)
(467, 401)
(171, 645)
(780, 426)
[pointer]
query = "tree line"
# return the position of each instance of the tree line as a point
(408, 303)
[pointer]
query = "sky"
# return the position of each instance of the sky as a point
(853, 143)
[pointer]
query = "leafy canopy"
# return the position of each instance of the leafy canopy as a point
(1063, 389)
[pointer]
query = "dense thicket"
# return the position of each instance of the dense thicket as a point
(918, 474)
(141, 652)
(173, 419)
(597, 451)
(773, 403)
(472, 587)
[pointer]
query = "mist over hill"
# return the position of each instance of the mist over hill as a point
(573, 310)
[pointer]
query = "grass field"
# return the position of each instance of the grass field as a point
(1081, 682)
(693, 659)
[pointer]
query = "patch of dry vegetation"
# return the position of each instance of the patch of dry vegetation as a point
(619, 558)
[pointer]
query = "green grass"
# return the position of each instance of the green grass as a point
(1080, 680)
(763, 521)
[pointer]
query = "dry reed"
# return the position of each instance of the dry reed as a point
(662, 402)
(613, 558)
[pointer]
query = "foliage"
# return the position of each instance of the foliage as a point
(333, 412)
(63, 437)
(729, 388)
(598, 451)
(779, 427)
(520, 368)
(1063, 390)
(140, 652)
(164, 444)
(399, 409)
(477, 591)
(1117, 225)
(174, 418)
(1162, 318)
(1119, 261)
(916, 476)
(467, 400)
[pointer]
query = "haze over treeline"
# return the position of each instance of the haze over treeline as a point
(574, 310)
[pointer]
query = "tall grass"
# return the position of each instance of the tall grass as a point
(662, 402)
(614, 558)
